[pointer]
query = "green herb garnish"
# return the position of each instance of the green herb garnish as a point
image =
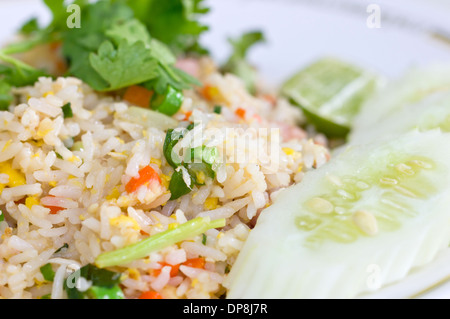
(237, 63)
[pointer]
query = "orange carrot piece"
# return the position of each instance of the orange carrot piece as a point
(146, 175)
(150, 295)
(138, 95)
(195, 262)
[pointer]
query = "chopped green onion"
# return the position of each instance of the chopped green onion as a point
(97, 292)
(105, 284)
(168, 103)
(77, 146)
(204, 238)
(2, 216)
(58, 155)
(218, 109)
(67, 111)
(47, 296)
(63, 248)
(157, 242)
(177, 185)
(47, 272)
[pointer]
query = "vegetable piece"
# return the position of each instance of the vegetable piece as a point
(368, 204)
(330, 93)
(168, 103)
(159, 241)
(237, 63)
(416, 86)
(195, 262)
(172, 138)
(47, 272)
(150, 295)
(96, 292)
(117, 68)
(204, 239)
(54, 209)
(47, 296)
(138, 95)
(5, 95)
(173, 270)
(146, 175)
(105, 284)
(2, 216)
(240, 112)
(67, 110)
(148, 118)
(77, 146)
(431, 113)
(178, 186)
(174, 22)
(62, 249)
(217, 109)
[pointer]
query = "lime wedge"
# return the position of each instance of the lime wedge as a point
(330, 93)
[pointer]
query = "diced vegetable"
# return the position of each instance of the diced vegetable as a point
(2, 217)
(330, 93)
(67, 110)
(138, 95)
(150, 295)
(168, 103)
(105, 284)
(173, 271)
(148, 118)
(159, 241)
(77, 146)
(178, 186)
(240, 112)
(218, 109)
(47, 272)
(146, 175)
(195, 262)
(62, 249)
(172, 138)
(204, 238)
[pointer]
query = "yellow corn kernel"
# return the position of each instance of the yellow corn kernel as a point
(165, 180)
(155, 161)
(30, 201)
(124, 220)
(115, 193)
(211, 203)
(201, 177)
(172, 226)
(194, 282)
(288, 150)
(81, 217)
(133, 273)
(16, 178)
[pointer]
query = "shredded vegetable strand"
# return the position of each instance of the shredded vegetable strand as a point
(159, 241)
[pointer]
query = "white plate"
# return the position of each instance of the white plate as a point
(299, 31)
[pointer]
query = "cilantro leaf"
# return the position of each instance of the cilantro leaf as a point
(124, 66)
(30, 26)
(237, 63)
(174, 22)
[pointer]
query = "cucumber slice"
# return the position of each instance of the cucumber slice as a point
(148, 118)
(410, 89)
(431, 113)
(383, 207)
(330, 93)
